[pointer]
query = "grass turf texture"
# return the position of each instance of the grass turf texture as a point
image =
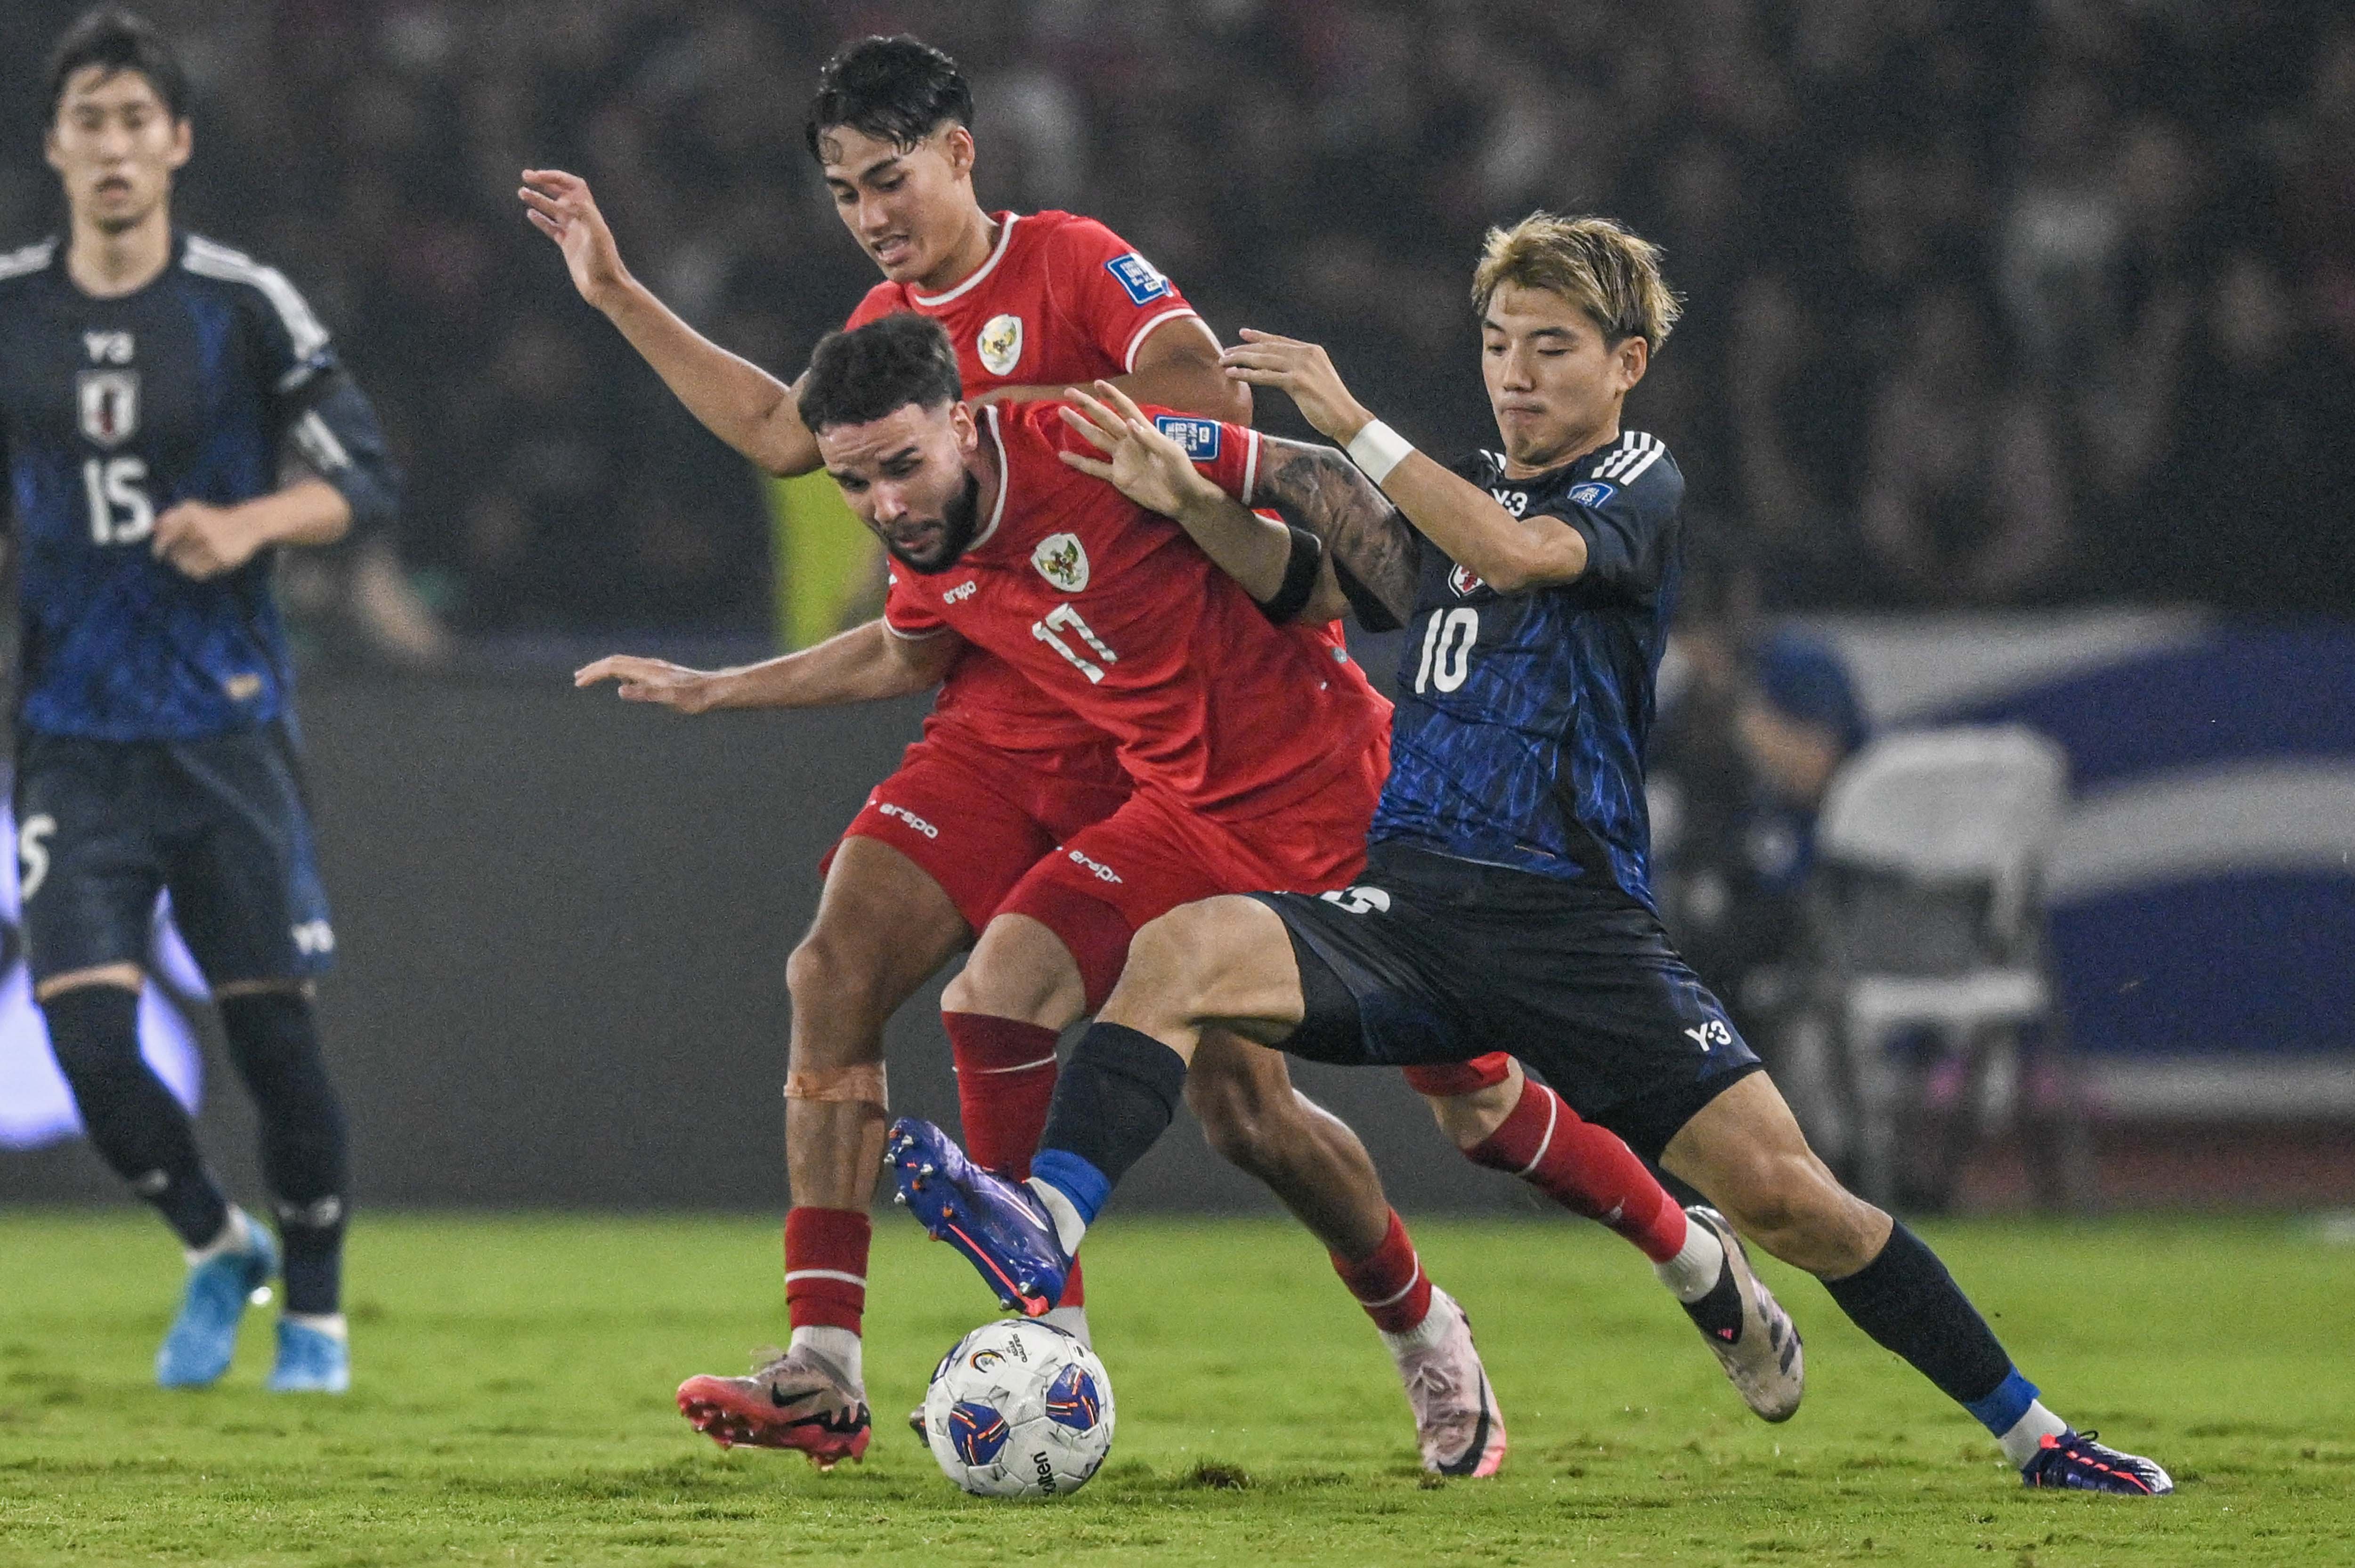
(513, 1378)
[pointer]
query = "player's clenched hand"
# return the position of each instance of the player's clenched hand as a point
(204, 541)
(561, 206)
(1303, 372)
(656, 681)
(1141, 462)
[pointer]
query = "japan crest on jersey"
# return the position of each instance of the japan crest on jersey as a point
(1062, 560)
(1000, 344)
(110, 405)
(1465, 582)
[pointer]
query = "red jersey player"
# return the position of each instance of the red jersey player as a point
(1002, 776)
(1255, 745)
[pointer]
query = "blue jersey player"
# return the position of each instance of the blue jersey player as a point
(151, 385)
(1506, 892)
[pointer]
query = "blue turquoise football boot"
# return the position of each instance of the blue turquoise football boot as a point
(204, 1336)
(310, 1360)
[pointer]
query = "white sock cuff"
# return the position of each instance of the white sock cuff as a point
(1427, 1333)
(1072, 1320)
(331, 1324)
(1069, 1227)
(1694, 1272)
(2028, 1433)
(841, 1348)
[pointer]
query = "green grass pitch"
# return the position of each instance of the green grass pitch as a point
(514, 1375)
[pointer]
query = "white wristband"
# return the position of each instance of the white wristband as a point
(1376, 449)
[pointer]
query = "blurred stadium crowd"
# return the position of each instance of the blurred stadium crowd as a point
(2006, 304)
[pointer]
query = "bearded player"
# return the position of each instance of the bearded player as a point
(1507, 873)
(1252, 736)
(1002, 777)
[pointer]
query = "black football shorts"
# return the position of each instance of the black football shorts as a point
(102, 826)
(1431, 959)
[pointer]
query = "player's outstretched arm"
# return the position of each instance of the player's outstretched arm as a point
(737, 401)
(1154, 470)
(1511, 553)
(1367, 544)
(867, 663)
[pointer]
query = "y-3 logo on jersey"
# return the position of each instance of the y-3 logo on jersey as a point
(1711, 1035)
(108, 347)
(1516, 501)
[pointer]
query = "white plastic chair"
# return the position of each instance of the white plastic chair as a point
(1931, 846)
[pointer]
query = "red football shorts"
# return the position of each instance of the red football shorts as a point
(1105, 881)
(977, 820)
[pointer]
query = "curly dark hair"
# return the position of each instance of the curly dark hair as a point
(856, 377)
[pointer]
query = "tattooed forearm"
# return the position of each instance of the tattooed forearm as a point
(1373, 550)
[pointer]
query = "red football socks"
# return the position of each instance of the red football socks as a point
(825, 1267)
(1391, 1284)
(1585, 1168)
(1006, 1080)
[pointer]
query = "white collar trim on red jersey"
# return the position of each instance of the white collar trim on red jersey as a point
(1005, 238)
(998, 511)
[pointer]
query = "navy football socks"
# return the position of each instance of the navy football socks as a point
(1908, 1302)
(275, 1046)
(1115, 1099)
(131, 1119)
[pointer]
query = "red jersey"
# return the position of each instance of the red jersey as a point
(1061, 300)
(1122, 616)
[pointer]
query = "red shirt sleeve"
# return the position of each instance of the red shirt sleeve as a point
(1228, 453)
(1110, 293)
(882, 301)
(907, 615)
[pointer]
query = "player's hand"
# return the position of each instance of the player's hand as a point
(561, 206)
(1303, 372)
(657, 681)
(202, 541)
(1139, 461)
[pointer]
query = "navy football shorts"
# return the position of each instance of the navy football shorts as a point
(1431, 959)
(102, 826)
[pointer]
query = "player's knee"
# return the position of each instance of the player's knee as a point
(1004, 990)
(1794, 1207)
(1469, 1118)
(839, 973)
(1175, 956)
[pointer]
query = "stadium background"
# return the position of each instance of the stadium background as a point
(2114, 244)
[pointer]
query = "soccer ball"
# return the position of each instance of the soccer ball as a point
(1019, 1409)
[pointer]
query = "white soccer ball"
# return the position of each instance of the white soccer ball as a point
(1019, 1409)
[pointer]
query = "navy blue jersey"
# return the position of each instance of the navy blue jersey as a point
(1518, 739)
(192, 388)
